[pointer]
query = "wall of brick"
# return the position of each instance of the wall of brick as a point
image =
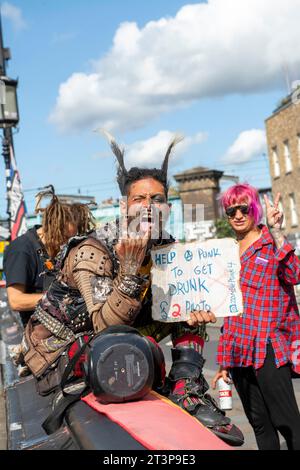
(284, 125)
(201, 187)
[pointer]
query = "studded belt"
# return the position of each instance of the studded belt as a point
(53, 325)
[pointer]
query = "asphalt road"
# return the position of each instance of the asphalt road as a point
(236, 414)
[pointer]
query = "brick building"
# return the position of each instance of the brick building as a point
(200, 186)
(283, 137)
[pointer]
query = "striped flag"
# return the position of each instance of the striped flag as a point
(16, 207)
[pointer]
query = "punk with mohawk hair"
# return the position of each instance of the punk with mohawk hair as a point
(109, 273)
(125, 178)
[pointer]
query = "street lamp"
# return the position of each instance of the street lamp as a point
(9, 118)
(9, 113)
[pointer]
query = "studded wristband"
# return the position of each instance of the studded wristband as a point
(130, 285)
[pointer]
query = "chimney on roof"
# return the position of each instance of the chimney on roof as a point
(201, 185)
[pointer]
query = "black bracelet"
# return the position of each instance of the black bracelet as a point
(130, 285)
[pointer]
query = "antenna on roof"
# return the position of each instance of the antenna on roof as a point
(287, 77)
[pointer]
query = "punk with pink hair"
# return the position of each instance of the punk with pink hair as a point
(243, 194)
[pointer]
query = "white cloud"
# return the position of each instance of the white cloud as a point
(14, 14)
(207, 49)
(150, 152)
(249, 144)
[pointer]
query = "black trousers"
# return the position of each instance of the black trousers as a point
(269, 402)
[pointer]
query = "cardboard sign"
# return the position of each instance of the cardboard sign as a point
(196, 276)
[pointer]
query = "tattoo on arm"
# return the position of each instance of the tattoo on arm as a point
(130, 266)
(278, 237)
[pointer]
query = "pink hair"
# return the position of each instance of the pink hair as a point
(243, 193)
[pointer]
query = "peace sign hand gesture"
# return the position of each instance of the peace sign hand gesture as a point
(274, 215)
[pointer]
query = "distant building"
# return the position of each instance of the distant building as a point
(283, 136)
(4, 230)
(72, 198)
(196, 187)
(200, 186)
(109, 210)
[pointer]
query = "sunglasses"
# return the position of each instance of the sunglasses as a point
(243, 208)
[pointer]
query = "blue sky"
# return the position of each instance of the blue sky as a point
(145, 70)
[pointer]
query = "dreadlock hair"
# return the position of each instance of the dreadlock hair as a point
(56, 218)
(85, 219)
(126, 177)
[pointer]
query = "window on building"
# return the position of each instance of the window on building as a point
(287, 157)
(280, 206)
(294, 216)
(276, 165)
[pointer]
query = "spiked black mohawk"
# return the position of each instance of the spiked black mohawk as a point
(126, 177)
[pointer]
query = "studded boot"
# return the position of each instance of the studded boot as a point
(188, 389)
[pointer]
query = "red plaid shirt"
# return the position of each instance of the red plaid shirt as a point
(270, 313)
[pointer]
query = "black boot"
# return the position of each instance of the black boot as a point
(187, 365)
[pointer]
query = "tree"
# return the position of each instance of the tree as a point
(223, 229)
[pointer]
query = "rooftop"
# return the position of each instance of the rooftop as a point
(198, 172)
(291, 98)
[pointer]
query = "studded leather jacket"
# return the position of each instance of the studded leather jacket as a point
(89, 293)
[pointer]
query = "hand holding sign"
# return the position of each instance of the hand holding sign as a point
(201, 317)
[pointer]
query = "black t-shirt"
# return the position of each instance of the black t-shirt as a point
(22, 264)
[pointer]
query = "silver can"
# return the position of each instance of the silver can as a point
(225, 395)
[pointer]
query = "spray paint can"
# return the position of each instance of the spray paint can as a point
(225, 395)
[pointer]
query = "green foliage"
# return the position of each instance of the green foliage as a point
(223, 229)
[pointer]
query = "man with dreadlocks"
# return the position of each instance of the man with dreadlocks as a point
(28, 260)
(104, 281)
